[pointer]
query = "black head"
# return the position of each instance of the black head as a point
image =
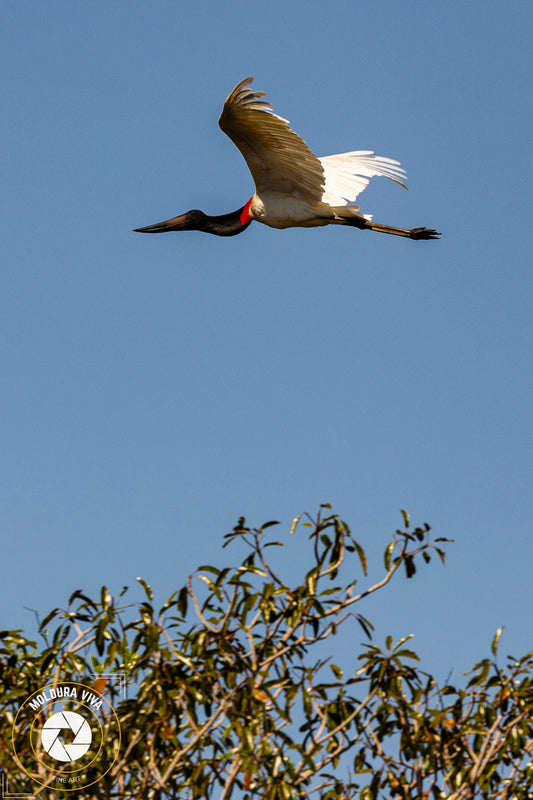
(190, 221)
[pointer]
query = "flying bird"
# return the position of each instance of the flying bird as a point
(293, 188)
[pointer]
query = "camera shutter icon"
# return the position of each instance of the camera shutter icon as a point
(66, 736)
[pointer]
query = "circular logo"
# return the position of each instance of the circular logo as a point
(57, 745)
(66, 736)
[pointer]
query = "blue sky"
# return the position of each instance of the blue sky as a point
(155, 388)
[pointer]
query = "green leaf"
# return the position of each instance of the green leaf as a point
(209, 583)
(410, 568)
(403, 640)
(325, 540)
(100, 635)
(146, 588)
(48, 618)
(406, 653)
(420, 534)
(494, 645)
(388, 554)
(337, 671)
(405, 516)
(362, 556)
(78, 594)
(365, 624)
(208, 568)
(480, 678)
(47, 660)
(182, 601)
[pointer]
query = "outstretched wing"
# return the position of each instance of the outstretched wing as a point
(347, 174)
(279, 160)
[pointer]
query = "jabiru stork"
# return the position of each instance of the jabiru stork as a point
(293, 188)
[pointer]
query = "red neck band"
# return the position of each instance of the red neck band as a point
(245, 217)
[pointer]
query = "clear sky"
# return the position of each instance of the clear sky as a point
(155, 388)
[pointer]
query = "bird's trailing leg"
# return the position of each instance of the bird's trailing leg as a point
(410, 233)
(357, 220)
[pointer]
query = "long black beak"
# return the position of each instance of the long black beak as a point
(174, 224)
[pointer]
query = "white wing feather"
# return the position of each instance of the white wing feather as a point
(347, 174)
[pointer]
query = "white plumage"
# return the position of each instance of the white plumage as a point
(348, 174)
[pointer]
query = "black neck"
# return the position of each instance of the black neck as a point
(224, 224)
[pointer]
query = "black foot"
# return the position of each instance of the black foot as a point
(424, 233)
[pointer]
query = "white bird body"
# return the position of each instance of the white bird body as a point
(293, 188)
(279, 210)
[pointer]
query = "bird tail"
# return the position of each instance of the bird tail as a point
(351, 215)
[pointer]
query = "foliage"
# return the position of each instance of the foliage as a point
(227, 699)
